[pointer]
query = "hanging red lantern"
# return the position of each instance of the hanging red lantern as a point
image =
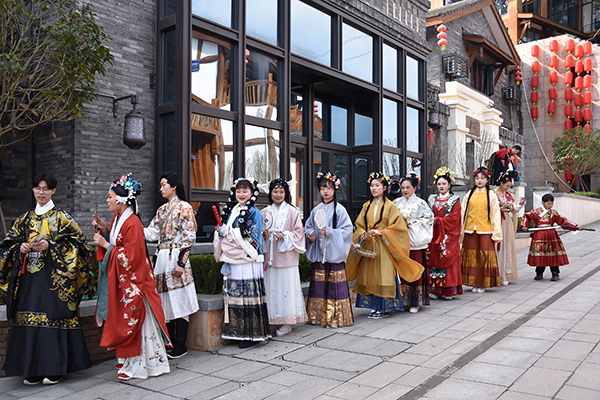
(578, 100)
(554, 46)
(587, 81)
(535, 50)
(569, 61)
(442, 43)
(578, 117)
(578, 83)
(587, 47)
(578, 53)
(587, 65)
(553, 61)
(568, 95)
(518, 79)
(587, 114)
(568, 175)
(587, 98)
(441, 28)
(442, 36)
(535, 81)
(568, 110)
(535, 66)
(587, 128)
(551, 107)
(570, 45)
(568, 78)
(534, 97)
(579, 67)
(568, 125)
(553, 77)
(552, 93)
(534, 112)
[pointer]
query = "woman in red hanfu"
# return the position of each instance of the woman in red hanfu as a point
(443, 253)
(127, 297)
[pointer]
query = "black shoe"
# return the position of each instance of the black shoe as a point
(244, 344)
(539, 277)
(554, 277)
(176, 353)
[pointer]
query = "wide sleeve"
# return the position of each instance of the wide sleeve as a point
(339, 239)
(353, 259)
(451, 223)
(312, 248)
(293, 239)
(152, 232)
(10, 253)
(495, 218)
(187, 224)
(560, 220)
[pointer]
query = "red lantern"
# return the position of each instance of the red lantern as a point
(568, 125)
(579, 67)
(587, 64)
(568, 95)
(441, 28)
(578, 83)
(568, 110)
(441, 35)
(578, 53)
(535, 81)
(554, 45)
(316, 108)
(553, 77)
(535, 66)
(587, 114)
(587, 47)
(534, 112)
(578, 100)
(569, 60)
(587, 81)
(587, 98)
(518, 79)
(442, 43)
(587, 128)
(568, 175)
(578, 116)
(535, 50)
(570, 45)
(534, 97)
(568, 78)
(553, 61)
(551, 107)
(552, 93)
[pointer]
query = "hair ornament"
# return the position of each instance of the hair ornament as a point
(133, 188)
(413, 175)
(383, 178)
(330, 177)
(484, 171)
(444, 172)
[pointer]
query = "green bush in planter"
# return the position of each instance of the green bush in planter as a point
(305, 269)
(207, 273)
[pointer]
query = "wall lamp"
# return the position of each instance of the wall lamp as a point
(134, 131)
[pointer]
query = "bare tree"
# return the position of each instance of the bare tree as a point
(474, 153)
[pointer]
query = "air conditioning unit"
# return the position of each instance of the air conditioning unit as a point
(455, 66)
(511, 94)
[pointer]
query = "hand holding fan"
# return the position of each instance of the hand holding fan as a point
(321, 221)
(267, 225)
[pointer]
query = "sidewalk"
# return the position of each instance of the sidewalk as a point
(529, 340)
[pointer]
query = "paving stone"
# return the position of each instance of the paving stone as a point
(570, 350)
(452, 334)
(391, 331)
(352, 391)
(508, 357)
(327, 373)
(238, 372)
(495, 374)
(432, 346)
(441, 360)
(215, 391)
(586, 376)
(382, 374)
(269, 351)
(305, 353)
(195, 386)
(410, 358)
(581, 337)
(525, 344)
(306, 390)
(470, 324)
(541, 381)
(536, 332)
(253, 391)
(213, 363)
(287, 378)
(416, 376)
(390, 392)
(103, 388)
(510, 395)
(458, 389)
(345, 361)
(557, 363)
(175, 377)
(569, 392)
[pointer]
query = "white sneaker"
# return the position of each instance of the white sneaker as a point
(474, 290)
(413, 310)
(448, 297)
(480, 290)
(505, 283)
(433, 296)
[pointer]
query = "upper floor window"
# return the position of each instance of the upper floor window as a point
(357, 53)
(310, 33)
(482, 77)
(261, 20)
(215, 11)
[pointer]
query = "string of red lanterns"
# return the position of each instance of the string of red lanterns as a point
(587, 83)
(442, 36)
(535, 80)
(553, 76)
(569, 61)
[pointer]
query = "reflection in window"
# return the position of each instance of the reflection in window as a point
(339, 125)
(357, 53)
(390, 123)
(310, 33)
(296, 107)
(363, 130)
(340, 168)
(330, 122)
(168, 142)
(168, 8)
(211, 82)
(413, 78)
(215, 11)
(390, 68)
(262, 153)
(363, 165)
(261, 86)
(261, 20)
(297, 172)
(169, 66)
(321, 160)
(414, 165)
(212, 153)
(413, 129)
(391, 164)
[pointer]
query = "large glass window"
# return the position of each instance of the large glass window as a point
(261, 85)
(391, 164)
(310, 33)
(211, 79)
(357, 53)
(212, 153)
(413, 129)
(262, 153)
(565, 12)
(321, 161)
(390, 68)
(296, 107)
(331, 120)
(169, 66)
(339, 125)
(363, 130)
(168, 142)
(215, 11)
(168, 8)
(340, 169)
(298, 176)
(261, 19)
(390, 123)
(413, 78)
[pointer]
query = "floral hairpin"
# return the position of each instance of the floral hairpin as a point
(329, 177)
(443, 172)
(383, 178)
(413, 175)
(133, 188)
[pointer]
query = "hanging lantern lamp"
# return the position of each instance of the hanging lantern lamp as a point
(587, 48)
(578, 53)
(442, 36)
(534, 97)
(534, 112)
(568, 110)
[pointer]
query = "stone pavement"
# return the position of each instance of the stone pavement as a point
(529, 340)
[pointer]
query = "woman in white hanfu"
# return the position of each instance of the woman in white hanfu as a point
(283, 239)
(174, 227)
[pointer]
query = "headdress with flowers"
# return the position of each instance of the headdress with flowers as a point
(330, 177)
(484, 171)
(129, 185)
(443, 172)
(506, 176)
(242, 218)
(380, 176)
(413, 177)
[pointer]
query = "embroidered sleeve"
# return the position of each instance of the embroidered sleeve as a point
(187, 223)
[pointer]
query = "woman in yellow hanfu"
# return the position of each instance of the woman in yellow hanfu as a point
(382, 230)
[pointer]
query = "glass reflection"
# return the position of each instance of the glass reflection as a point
(297, 172)
(211, 82)
(357, 53)
(212, 153)
(363, 133)
(168, 8)
(261, 85)
(391, 164)
(413, 128)
(390, 68)
(414, 165)
(363, 165)
(261, 20)
(413, 78)
(262, 153)
(310, 33)
(339, 125)
(215, 11)
(296, 107)
(169, 66)
(390, 123)
(340, 168)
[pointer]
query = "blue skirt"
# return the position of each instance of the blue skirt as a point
(382, 304)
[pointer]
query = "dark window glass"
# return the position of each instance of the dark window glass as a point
(169, 66)
(482, 78)
(340, 168)
(261, 20)
(363, 166)
(390, 68)
(215, 11)
(565, 12)
(413, 78)
(168, 143)
(310, 33)
(357, 53)
(298, 175)
(262, 153)
(502, 6)
(413, 128)
(261, 85)
(414, 165)
(339, 125)
(297, 105)
(391, 164)
(168, 8)
(331, 121)
(363, 130)
(390, 123)
(212, 153)
(211, 79)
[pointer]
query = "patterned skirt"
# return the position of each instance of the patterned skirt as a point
(416, 294)
(382, 304)
(245, 314)
(479, 262)
(328, 296)
(284, 296)
(547, 250)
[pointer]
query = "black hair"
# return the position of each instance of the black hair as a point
(327, 182)
(506, 177)
(547, 197)
(48, 178)
(517, 147)
(480, 170)
(174, 180)
(386, 182)
(412, 178)
(245, 211)
(447, 179)
(121, 191)
(282, 184)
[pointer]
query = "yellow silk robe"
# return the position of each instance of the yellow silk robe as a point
(377, 275)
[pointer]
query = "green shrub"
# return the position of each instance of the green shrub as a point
(207, 273)
(587, 194)
(305, 269)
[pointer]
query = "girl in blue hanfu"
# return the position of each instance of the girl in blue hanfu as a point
(237, 245)
(329, 237)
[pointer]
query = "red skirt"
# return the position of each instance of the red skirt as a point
(547, 250)
(478, 261)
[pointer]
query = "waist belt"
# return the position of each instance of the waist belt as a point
(35, 254)
(168, 246)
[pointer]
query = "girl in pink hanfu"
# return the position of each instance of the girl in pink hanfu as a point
(283, 243)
